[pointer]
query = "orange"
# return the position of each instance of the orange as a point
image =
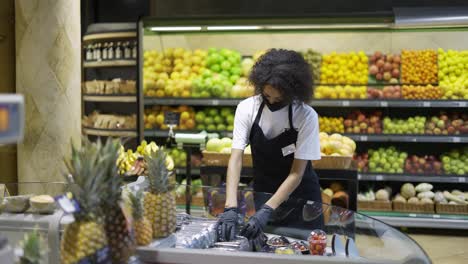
(184, 116)
(190, 124)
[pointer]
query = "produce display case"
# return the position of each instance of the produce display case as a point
(195, 239)
(405, 77)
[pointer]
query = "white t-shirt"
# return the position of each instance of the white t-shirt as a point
(305, 121)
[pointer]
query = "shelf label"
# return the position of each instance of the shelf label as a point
(462, 104)
(426, 104)
(456, 140)
(384, 104)
(379, 177)
(345, 103)
(215, 102)
(171, 118)
(414, 139)
(363, 138)
(412, 215)
(461, 179)
(436, 216)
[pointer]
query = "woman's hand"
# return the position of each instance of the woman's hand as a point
(226, 227)
(257, 223)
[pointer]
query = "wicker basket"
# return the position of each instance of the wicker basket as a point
(451, 209)
(413, 208)
(222, 159)
(333, 162)
(196, 200)
(382, 206)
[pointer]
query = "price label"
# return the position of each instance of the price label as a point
(414, 139)
(384, 104)
(345, 103)
(456, 139)
(363, 138)
(171, 118)
(215, 102)
(461, 179)
(462, 104)
(379, 177)
(426, 104)
(436, 216)
(412, 215)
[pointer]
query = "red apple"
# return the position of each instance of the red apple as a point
(387, 66)
(380, 63)
(373, 69)
(387, 76)
(395, 73)
(379, 76)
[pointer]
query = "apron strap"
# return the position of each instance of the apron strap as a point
(290, 117)
(259, 113)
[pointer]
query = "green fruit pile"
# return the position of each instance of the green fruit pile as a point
(455, 161)
(453, 76)
(179, 156)
(225, 62)
(211, 84)
(387, 160)
(214, 119)
(314, 58)
(412, 125)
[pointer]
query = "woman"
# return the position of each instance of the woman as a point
(283, 133)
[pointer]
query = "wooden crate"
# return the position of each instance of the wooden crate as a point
(333, 162)
(413, 208)
(382, 206)
(451, 209)
(222, 159)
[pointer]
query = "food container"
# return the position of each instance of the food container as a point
(278, 241)
(413, 208)
(222, 159)
(286, 251)
(451, 209)
(376, 205)
(317, 242)
(16, 204)
(333, 162)
(300, 246)
(42, 204)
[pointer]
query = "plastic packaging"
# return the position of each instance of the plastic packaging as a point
(317, 242)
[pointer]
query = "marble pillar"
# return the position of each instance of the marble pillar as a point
(48, 74)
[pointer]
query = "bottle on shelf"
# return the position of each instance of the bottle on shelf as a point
(98, 52)
(89, 52)
(104, 51)
(127, 50)
(134, 50)
(118, 51)
(110, 51)
(94, 51)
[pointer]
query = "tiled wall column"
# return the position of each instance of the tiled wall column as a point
(48, 74)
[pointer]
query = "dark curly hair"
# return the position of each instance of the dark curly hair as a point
(285, 70)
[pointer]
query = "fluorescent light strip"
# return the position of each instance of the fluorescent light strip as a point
(233, 27)
(176, 28)
(329, 26)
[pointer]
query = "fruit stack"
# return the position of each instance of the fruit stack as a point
(443, 124)
(242, 89)
(336, 145)
(154, 117)
(215, 119)
(419, 66)
(388, 160)
(314, 58)
(388, 92)
(453, 77)
(340, 92)
(179, 156)
(385, 68)
(344, 68)
(362, 161)
(331, 124)
(455, 161)
(423, 165)
(412, 125)
(359, 122)
(419, 92)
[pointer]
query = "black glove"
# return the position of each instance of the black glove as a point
(226, 227)
(257, 222)
(257, 243)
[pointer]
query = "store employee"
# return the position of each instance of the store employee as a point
(283, 133)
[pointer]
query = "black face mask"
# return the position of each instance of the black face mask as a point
(275, 106)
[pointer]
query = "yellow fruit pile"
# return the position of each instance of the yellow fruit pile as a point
(336, 145)
(154, 117)
(340, 92)
(421, 92)
(419, 66)
(453, 74)
(331, 124)
(344, 68)
(127, 158)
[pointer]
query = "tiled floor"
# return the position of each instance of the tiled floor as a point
(444, 249)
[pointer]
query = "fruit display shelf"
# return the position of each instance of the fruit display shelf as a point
(109, 132)
(112, 63)
(165, 133)
(407, 177)
(407, 138)
(390, 103)
(441, 221)
(192, 101)
(109, 98)
(108, 35)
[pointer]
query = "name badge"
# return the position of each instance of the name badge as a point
(290, 149)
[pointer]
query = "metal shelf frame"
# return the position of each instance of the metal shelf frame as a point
(413, 178)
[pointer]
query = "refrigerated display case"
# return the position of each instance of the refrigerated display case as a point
(392, 85)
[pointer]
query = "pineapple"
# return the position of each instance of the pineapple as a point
(159, 200)
(85, 237)
(33, 251)
(141, 225)
(117, 226)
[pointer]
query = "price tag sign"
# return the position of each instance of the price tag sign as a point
(379, 177)
(436, 216)
(384, 104)
(412, 215)
(215, 102)
(171, 118)
(345, 103)
(426, 104)
(456, 139)
(461, 179)
(363, 138)
(462, 104)
(414, 139)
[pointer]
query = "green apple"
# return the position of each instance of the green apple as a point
(211, 127)
(226, 65)
(200, 117)
(201, 127)
(209, 121)
(218, 120)
(213, 112)
(215, 68)
(230, 128)
(221, 127)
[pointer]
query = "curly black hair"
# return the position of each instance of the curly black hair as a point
(285, 70)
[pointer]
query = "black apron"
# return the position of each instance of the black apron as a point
(271, 168)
